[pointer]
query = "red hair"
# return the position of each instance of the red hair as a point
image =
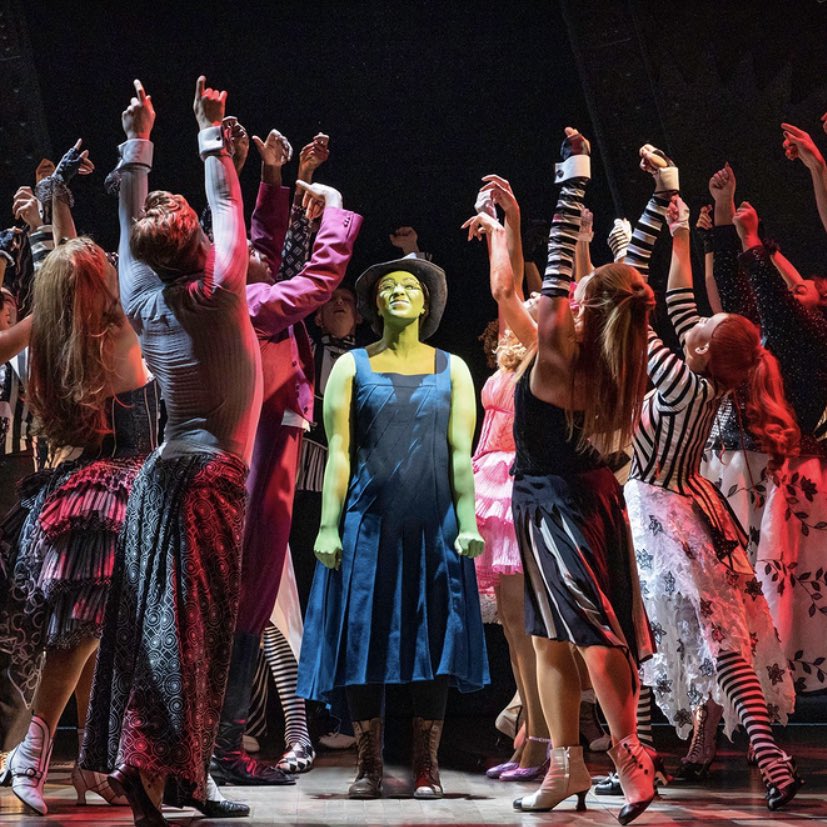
(737, 359)
(167, 235)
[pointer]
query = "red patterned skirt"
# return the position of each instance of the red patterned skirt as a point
(163, 661)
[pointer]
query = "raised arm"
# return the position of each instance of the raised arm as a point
(734, 289)
(269, 221)
(296, 248)
(555, 324)
(54, 188)
(503, 196)
(704, 227)
(132, 171)
(799, 144)
(791, 331)
(503, 285)
(26, 207)
(461, 424)
(273, 307)
(582, 252)
(650, 224)
(680, 296)
(676, 384)
(337, 425)
(227, 267)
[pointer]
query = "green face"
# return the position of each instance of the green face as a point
(399, 296)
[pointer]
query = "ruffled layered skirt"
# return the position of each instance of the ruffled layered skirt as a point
(703, 599)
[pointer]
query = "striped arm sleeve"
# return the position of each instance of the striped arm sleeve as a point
(682, 310)
(646, 233)
(562, 239)
(42, 243)
(676, 384)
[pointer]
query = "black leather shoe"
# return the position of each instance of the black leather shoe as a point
(126, 780)
(219, 809)
(213, 806)
(241, 769)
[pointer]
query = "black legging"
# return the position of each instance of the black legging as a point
(429, 700)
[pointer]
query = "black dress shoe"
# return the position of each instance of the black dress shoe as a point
(214, 804)
(243, 770)
(219, 809)
(126, 780)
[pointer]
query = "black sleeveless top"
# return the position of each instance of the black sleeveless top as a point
(541, 438)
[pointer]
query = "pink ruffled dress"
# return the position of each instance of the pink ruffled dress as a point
(492, 482)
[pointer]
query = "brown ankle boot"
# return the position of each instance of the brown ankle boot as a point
(368, 783)
(425, 741)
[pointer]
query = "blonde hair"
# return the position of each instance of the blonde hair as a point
(505, 352)
(167, 235)
(76, 312)
(738, 361)
(610, 366)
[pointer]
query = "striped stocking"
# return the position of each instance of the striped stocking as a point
(284, 669)
(740, 683)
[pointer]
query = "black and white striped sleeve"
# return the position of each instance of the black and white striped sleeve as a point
(676, 385)
(682, 310)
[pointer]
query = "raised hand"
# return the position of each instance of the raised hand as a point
(317, 197)
(405, 239)
(501, 194)
(313, 155)
(722, 184)
(209, 104)
(677, 215)
(746, 223)
(74, 162)
(25, 206)
(798, 144)
(480, 225)
(139, 117)
(275, 150)
(586, 226)
(620, 238)
(239, 141)
(659, 165)
(43, 170)
(469, 544)
(704, 221)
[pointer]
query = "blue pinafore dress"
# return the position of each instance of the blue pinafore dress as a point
(403, 606)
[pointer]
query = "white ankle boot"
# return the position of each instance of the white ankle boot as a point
(28, 765)
(567, 775)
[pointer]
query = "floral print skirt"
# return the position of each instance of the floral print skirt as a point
(703, 599)
(786, 515)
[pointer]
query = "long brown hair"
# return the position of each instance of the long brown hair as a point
(75, 315)
(738, 360)
(610, 367)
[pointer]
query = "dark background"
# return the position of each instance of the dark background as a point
(421, 100)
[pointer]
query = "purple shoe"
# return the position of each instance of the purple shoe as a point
(525, 773)
(496, 772)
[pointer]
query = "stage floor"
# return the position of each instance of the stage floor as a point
(734, 795)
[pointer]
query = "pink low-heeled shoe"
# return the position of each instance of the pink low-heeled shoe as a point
(496, 772)
(525, 773)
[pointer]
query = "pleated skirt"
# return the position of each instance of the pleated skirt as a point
(580, 572)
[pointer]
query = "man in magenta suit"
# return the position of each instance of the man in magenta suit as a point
(277, 310)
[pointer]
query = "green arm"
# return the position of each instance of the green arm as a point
(460, 436)
(337, 398)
